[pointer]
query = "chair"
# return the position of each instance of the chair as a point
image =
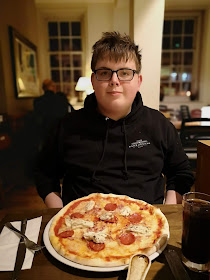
(191, 131)
(195, 113)
(184, 111)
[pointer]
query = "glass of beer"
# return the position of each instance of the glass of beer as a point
(196, 231)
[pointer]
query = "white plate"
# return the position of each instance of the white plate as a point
(52, 251)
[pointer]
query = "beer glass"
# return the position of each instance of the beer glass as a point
(196, 231)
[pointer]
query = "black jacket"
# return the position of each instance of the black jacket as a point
(129, 156)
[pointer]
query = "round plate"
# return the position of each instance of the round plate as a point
(60, 258)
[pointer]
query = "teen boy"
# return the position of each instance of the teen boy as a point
(114, 144)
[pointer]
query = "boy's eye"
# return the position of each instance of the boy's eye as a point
(124, 72)
(104, 72)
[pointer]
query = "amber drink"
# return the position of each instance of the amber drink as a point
(196, 231)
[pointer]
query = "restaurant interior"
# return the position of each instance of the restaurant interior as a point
(42, 39)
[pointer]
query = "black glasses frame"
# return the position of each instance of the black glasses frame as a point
(114, 71)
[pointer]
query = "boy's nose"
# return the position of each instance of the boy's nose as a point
(114, 78)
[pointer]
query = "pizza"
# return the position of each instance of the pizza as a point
(106, 230)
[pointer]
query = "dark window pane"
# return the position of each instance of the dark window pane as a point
(167, 27)
(77, 60)
(166, 43)
(65, 60)
(177, 58)
(188, 58)
(67, 89)
(65, 44)
(64, 27)
(66, 76)
(53, 28)
(54, 60)
(76, 45)
(54, 45)
(75, 29)
(176, 42)
(77, 75)
(188, 42)
(177, 27)
(165, 58)
(189, 27)
(175, 88)
(55, 75)
(186, 86)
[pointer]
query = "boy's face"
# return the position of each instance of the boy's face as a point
(115, 97)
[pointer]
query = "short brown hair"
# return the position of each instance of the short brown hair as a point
(47, 84)
(115, 46)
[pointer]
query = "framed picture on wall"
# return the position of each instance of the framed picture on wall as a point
(24, 64)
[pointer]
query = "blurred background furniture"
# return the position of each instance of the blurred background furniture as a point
(191, 131)
(185, 112)
(195, 113)
(202, 182)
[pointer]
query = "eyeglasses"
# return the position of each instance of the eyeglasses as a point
(122, 74)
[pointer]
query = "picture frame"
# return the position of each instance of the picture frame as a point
(24, 65)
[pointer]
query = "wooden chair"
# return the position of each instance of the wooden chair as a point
(191, 131)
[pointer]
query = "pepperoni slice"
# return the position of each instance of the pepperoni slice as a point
(66, 234)
(76, 215)
(135, 218)
(110, 206)
(127, 238)
(96, 246)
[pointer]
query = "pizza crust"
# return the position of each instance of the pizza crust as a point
(104, 258)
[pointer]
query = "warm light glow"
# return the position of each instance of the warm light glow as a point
(21, 84)
(188, 93)
(84, 84)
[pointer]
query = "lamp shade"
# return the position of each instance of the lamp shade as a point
(84, 84)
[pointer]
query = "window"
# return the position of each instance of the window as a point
(180, 56)
(65, 54)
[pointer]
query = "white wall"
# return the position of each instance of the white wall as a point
(205, 63)
(148, 28)
(99, 19)
(121, 16)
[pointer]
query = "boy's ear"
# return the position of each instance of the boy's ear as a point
(139, 80)
(92, 79)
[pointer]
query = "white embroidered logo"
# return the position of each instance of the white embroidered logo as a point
(139, 144)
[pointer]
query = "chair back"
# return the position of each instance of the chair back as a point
(193, 130)
(184, 111)
(195, 113)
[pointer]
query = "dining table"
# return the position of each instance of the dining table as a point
(46, 266)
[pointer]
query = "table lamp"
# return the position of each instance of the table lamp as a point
(84, 86)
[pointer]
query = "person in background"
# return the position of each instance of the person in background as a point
(49, 109)
(64, 98)
(115, 144)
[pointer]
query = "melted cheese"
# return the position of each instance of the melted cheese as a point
(125, 211)
(78, 223)
(89, 206)
(97, 237)
(106, 216)
(140, 229)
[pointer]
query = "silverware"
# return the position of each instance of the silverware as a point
(176, 265)
(20, 253)
(139, 266)
(28, 243)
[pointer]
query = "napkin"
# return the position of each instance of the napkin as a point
(9, 242)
